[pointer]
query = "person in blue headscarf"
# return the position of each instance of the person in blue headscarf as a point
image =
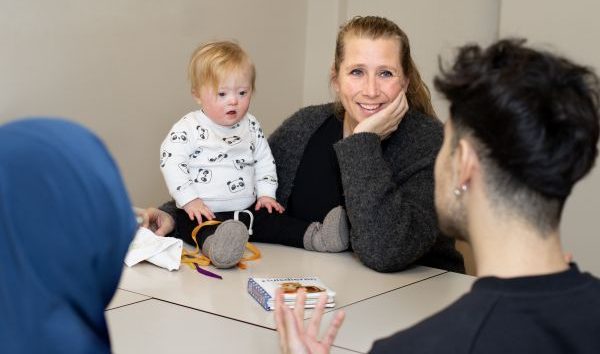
(65, 225)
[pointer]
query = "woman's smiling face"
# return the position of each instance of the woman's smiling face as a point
(370, 76)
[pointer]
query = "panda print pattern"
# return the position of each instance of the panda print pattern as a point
(218, 158)
(257, 130)
(239, 164)
(226, 167)
(202, 132)
(269, 179)
(232, 140)
(185, 185)
(196, 153)
(164, 156)
(184, 168)
(237, 185)
(203, 176)
(179, 137)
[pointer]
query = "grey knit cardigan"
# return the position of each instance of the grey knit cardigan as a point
(389, 194)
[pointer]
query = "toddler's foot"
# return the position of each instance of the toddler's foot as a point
(226, 246)
(331, 236)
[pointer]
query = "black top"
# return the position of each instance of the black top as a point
(318, 185)
(556, 313)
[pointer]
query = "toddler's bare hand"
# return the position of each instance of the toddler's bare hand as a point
(196, 209)
(269, 203)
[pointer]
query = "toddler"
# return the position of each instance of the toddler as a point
(217, 160)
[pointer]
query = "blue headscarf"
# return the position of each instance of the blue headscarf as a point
(65, 225)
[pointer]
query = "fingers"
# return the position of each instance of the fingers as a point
(393, 108)
(397, 101)
(333, 329)
(279, 320)
(198, 215)
(403, 104)
(279, 208)
(157, 226)
(299, 307)
(315, 321)
(145, 219)
(294, 335)
(400, 106)
(191, 214)
(207, 213)
(145, 215)
(270, 204)
(162, 230)
(163, 223)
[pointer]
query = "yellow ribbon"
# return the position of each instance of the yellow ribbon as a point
(196, 257)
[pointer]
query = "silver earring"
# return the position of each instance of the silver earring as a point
(459, 191)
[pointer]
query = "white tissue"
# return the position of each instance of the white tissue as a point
(164, 252)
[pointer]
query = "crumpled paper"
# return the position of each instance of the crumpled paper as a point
(164, 252)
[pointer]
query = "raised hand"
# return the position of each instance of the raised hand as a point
(294, 337)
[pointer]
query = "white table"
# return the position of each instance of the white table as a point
(389, 313)
(157, 311)
(155, 326)
(228, 297)
(124, 298)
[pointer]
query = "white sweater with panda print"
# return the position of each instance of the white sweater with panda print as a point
(226, 167)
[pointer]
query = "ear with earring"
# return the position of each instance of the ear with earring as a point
(458, 191)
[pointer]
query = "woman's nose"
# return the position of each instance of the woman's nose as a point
(371, 88)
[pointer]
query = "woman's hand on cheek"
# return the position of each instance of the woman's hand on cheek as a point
(386, 121)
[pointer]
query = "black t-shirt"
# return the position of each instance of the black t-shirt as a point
(555, 313)
(318, 185)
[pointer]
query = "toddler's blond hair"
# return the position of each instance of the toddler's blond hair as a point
(212, 62)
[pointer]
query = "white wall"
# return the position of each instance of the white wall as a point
(570, 28)
(119, 67)
(322, 23)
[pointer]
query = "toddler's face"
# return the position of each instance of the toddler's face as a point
(230, 102)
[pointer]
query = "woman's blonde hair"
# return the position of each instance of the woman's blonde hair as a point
(212, 62)
(374, 27)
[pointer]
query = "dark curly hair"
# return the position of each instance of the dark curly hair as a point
(534, 120)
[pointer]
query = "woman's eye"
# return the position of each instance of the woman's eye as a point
(356, 72)
(386, 73)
